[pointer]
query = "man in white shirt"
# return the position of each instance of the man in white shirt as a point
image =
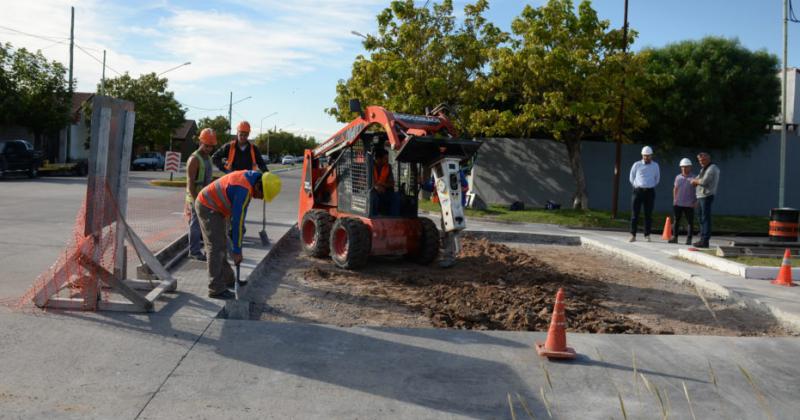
(644, 178)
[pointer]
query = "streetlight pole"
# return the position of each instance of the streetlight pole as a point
(620, 119)
(230, 110)
(173, 68)
(261, 130)
(782, 175)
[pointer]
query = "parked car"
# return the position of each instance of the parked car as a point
(149, 160)
(19, 156)
(288, 160)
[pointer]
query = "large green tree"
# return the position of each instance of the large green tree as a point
(284, 143)
(219, 124)
(34, 92)
(561, 76)
(158, 114)
(716, 94)
(421, 57)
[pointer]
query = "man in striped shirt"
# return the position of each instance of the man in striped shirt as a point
(644, 178)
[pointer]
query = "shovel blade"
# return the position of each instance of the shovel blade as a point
(264, 238)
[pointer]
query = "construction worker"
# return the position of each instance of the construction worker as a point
(383, 183)
(239, 154)
(198, 174)
(225, 201)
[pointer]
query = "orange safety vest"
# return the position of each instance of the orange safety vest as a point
(381, 178)
(215, 197)
(232, 154)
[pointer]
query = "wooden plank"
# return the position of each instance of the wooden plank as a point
(165, 286)
(78, 304)
(118, 286)
(145, 254)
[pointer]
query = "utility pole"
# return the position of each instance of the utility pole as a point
(71, 47)
(620, 120)
(782, 176)
(103, 79)
(230, 114)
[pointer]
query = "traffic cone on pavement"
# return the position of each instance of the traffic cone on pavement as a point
(667, 234)
(785, 274)
(556, 344)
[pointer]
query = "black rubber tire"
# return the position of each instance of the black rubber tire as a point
(350, 243)
(429, 243)
(33, 172)
(316, 240)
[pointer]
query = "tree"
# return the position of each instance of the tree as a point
(34, 92)
(420, 58)
(284, 143)
(219, 124)
(716, 95)
(158, 114)
(561, 76)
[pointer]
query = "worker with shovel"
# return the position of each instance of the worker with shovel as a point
(225, 201)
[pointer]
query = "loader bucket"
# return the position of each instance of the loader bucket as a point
(428, 150)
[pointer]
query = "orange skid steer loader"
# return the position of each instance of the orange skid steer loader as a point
(341, 213)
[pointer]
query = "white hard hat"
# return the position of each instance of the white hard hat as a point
(647, 150)
(685, 162)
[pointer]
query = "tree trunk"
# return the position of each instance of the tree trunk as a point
(581, 198)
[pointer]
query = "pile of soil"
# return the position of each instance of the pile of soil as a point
(497, 287)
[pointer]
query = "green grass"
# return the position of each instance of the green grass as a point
(751, 261)
(602, 219)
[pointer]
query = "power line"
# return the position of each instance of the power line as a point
(792, 16)
(44, 37)
(203, 109)
(97, 59)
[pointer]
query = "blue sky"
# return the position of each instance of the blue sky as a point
(288, 55)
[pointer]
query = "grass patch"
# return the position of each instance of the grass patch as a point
(751, 261)
(602, 219)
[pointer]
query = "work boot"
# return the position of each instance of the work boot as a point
(689, 240)
(198, 257)
(223, 295)
(674, 240)
(647, 238)
(632, 238)
(700, 244)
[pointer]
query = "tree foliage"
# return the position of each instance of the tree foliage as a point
(284, 143)
(716, 94)
(158, 114)
(421, 57)
(219, 124)
(561, 77)
(34, 92)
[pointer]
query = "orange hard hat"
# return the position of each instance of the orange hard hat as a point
(208, 136)
(243, 126)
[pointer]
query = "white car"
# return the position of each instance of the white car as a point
(288, 160)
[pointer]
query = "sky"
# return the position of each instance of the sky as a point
(281, 59)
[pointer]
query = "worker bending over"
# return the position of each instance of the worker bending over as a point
(226, 200)
(239, 154)
(198, 175)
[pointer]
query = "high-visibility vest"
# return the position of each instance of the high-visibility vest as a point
(215, 197)
(232, 146)
(382, 177)
(200, 180)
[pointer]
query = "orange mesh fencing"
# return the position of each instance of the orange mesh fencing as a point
(156, 214)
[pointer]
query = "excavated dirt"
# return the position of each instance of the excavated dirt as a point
(498, 287)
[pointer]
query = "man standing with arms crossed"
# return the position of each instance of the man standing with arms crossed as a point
(705, 189)
(198, 174)
(644, 178)
(240, 154)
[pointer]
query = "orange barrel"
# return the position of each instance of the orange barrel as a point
(783, 225)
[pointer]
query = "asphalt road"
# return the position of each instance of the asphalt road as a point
(37, 217)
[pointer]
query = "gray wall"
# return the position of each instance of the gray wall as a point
(533, 171)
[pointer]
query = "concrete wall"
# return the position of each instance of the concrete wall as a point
(534, 171)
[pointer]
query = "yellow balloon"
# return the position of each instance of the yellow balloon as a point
(271, 184)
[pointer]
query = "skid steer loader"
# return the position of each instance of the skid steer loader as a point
(339, 212)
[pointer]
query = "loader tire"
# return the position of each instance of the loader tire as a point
(315, 233)
(350, 243)
(429, 243)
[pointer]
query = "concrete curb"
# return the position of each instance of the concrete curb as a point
(240, 309)
(737, 269)
(534, 238)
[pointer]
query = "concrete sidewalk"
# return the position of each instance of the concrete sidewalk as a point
(184, 362)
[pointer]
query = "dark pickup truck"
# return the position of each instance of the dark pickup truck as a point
(19, 156)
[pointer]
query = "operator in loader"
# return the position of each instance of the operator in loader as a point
(225, 201)
(240, 154)
(383, 183)
(198, 175)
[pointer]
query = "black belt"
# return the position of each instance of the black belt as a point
(642, 189)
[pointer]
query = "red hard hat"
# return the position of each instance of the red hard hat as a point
(207, 136)
(243, 126)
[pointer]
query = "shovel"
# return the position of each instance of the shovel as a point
(237, 309)
(263, 233)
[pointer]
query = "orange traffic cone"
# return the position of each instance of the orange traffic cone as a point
(556, 345)
(785, 274)
(667, 234)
